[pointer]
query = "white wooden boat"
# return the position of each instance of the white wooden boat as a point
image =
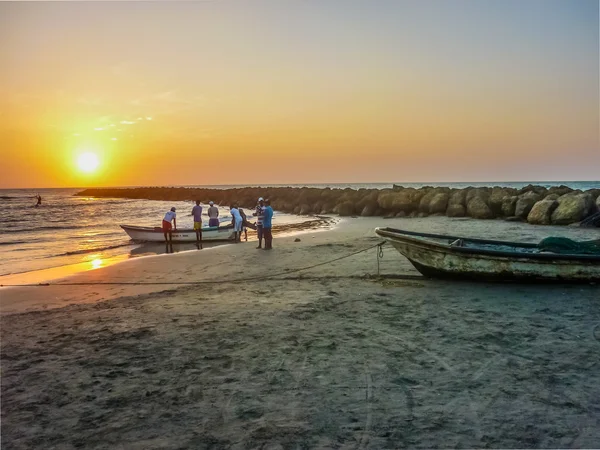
(444, 256)
(156, 234)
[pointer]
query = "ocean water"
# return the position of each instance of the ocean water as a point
(70, 230)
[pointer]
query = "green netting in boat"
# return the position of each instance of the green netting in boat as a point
(566, 245)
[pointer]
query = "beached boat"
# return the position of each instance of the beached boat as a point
(155, 234)
(443, 256)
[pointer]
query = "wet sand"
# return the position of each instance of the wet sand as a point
(330, 358)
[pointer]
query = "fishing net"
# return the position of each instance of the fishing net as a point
(569, 246)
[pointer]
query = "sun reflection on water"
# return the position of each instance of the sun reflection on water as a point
(96, 263)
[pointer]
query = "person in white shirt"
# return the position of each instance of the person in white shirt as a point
(237, 222)
(213, 215)
(170, 216)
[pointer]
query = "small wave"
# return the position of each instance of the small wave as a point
(9, 220)
(91, 250)
(25, 230)
(14, 242)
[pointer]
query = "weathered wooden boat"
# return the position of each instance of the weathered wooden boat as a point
(442, 256)
(156, 234)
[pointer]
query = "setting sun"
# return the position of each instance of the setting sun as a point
(87, 162)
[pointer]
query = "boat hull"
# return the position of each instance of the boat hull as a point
(149, 234)
(437, 260)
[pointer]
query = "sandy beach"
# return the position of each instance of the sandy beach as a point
(331, 357)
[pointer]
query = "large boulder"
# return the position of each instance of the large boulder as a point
(540, 190)
(483, 193)
(508, 206)
(541, 212)
(572, 208)
(525, 203)
(456, 210)
(350, 195)
(368, 197)
(598, 203)
(560, 190)
(406, 200)
(277, 204)
(458, 198)
(370, 209)
(439, 203)
(552, 197)
(595, 193)
(305, 210)
(425, 199)
(345, 209)
(497, 198)
(327, 208)
(479, 209)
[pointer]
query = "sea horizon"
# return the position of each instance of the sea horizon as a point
(575, 184)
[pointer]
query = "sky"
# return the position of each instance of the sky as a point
(311, 91)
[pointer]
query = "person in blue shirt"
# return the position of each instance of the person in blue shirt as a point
(267, 225)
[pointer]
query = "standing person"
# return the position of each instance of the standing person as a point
(237, 222)
(259, 213)
(213, 215)
(267, 225)
(197, 213)
(166, 224)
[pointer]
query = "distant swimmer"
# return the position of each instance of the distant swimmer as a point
(170, 216)
(213, 215)
(39, 200)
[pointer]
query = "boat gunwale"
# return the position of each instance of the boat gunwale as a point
(178, 230)
(407, 236)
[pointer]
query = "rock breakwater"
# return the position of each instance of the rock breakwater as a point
(559, 205)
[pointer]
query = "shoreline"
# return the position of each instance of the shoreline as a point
(328, 358)
(195, 265)
(318, 223)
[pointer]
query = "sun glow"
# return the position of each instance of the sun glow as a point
(87, 162)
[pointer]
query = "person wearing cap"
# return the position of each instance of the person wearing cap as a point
(213, 215)
(259, 214)
(170, 216)
(267, 225)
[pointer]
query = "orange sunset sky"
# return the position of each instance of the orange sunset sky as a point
(236, 92)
